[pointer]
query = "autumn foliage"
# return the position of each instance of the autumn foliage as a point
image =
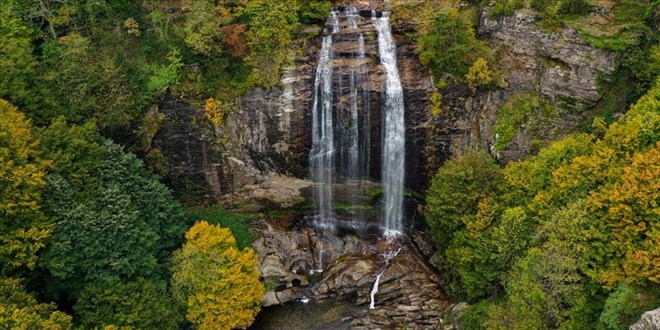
(547, 239)
(217, 282)
(234, 37)
(23, 228)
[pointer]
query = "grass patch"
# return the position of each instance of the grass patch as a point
(237, 223)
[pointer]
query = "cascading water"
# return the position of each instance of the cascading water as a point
(321, 157)
(335, 134)
(341, 127)
(372, 295)
(394, 132)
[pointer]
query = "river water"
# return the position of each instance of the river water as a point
(318, 315)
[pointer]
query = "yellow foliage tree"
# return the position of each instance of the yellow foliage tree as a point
(479, 75)
(631, 211)
(217, 282)
(22, 178)
(213, 111)
(20, 310)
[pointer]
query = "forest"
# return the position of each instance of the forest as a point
(93, 235)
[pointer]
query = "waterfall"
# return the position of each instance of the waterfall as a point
(335, 136)
(322, 153)
(394, 132)
(341, 121)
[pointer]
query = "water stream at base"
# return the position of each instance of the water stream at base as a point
(374, 290)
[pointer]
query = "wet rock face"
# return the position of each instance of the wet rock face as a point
(198, 166)
(291, 251)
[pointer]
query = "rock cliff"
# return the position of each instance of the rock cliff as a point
(649, 321)
(559, 67)
(269, 130)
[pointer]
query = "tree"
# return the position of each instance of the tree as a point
(313, 10)
(631, 214)
(23, 229)
(450, 46)
(202, 28)
(138, 304)
(456, 191)
(625, 305)
(80, 83)
(16, 59)
(270, 32)
(20, 310)
(217, 282)
(479, 75)
(114, 220)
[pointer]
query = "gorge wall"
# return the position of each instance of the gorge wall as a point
(269, 130)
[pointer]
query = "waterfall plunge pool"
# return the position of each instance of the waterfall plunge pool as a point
(327, 314)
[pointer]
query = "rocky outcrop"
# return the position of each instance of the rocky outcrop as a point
(452, 316)
(649, 321)
(200, 166)
(300, 260)
(558, 67)
(559, 64)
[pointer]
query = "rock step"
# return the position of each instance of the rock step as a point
(363, 12)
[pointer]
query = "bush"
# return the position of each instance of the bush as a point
(506, 7)
(450, 46)
(625, 305)
(574, 7)
(513, 114)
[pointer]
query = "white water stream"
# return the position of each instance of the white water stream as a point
(388, 258)
(393, 160)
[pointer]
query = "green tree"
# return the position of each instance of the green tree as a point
(80, 83)
(217, 282)
(626, 304)
(314, 10)
(270, 32)
(23, 228)
(16, 59)
(202, 28)
(456, 191)
(450, 46)
(20, 310)
(138, 304)
(115, 221)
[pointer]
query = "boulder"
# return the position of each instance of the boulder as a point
(649, 321)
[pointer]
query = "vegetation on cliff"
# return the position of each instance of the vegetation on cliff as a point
(562, 239)
(109, 60)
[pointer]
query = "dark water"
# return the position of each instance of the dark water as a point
(317, 315)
